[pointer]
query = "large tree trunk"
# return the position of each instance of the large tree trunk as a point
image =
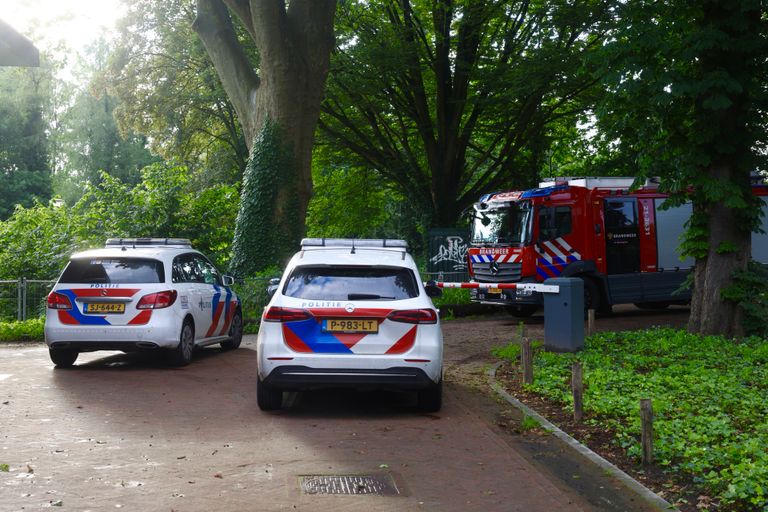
(710, 313)
(294, 46)
(723, 204)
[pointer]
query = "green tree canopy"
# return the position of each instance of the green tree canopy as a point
(25, 174)
(168, 91)
(86, 138)
(449, 99)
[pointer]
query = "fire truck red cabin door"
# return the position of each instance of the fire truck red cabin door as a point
(622, 237)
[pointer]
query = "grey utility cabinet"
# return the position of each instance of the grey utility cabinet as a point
(564, 315)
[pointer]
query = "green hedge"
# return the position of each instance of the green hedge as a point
(28, 330)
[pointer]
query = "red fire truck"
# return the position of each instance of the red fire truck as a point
(620, 242)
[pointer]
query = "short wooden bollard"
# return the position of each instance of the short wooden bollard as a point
(526, 360)
(577, 388)
(646, 419)
(590, 322)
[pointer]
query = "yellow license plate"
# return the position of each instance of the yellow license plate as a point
(350, 325)
(494, 290)
(104, 307)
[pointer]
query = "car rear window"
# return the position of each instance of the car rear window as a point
(351, 283)
(113, 270)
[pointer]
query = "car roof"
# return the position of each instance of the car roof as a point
(134, 252)
(384, 256)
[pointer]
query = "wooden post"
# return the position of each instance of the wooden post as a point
(646, 418)
(521, 330)
(526, 360)
(590, 322)
(577, 388)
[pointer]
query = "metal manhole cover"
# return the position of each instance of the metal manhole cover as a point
(378, 485)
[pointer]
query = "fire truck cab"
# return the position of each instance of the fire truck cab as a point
(623, 244)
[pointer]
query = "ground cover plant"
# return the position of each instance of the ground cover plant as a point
(28, 330)
(710, 402)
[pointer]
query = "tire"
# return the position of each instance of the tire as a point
(267, 397)
(181, 355)
(430, 399)
(63, 357)
(522, 310)
(235, 333)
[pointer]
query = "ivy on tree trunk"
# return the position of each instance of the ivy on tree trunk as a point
(269, 185)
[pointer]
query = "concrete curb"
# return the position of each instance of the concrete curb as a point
(647, 494)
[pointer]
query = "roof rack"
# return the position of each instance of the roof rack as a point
(149, 242)
(592, 182)
(354, 242)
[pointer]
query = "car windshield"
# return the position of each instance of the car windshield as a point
(113, 270)
(508, 224)
(351, 283)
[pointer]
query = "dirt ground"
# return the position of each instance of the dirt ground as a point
(122, 431)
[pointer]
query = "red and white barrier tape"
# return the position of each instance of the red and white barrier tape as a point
(534, 287)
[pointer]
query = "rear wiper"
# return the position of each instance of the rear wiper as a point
(366, 296)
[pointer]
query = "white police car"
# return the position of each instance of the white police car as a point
(141, 294)
(351, 313)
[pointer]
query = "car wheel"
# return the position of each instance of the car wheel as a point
(235, 333)
(522, 310)
(430, 399)
(268, 398)
(63, 357)
(181, 355)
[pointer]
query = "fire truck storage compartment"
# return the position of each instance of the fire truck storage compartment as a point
(670, 226)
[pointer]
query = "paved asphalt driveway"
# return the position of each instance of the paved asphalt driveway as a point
(125, 432)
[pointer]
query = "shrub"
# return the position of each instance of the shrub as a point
(28, 330)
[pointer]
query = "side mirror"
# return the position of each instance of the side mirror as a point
(433, 291)
(227, 280)
(274, 283)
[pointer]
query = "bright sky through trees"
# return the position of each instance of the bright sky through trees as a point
(51, 22)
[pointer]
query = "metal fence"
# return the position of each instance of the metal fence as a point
(446, 276)
(23, 298)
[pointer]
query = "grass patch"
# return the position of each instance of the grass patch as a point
(528, 423)
(28, 330)
(452, 297)
(710, 400)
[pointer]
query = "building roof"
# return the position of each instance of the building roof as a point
(15, 49)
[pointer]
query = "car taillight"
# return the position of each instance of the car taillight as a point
(414, 316)
(157, 300)
(58, 301)
(278, 314)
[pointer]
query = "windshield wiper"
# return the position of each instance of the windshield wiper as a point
(366, 296)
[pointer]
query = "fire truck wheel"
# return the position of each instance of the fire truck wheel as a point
(591, 295)
(522, 310)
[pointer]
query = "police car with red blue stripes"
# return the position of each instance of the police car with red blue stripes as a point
(141, 294)
(351, 313)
